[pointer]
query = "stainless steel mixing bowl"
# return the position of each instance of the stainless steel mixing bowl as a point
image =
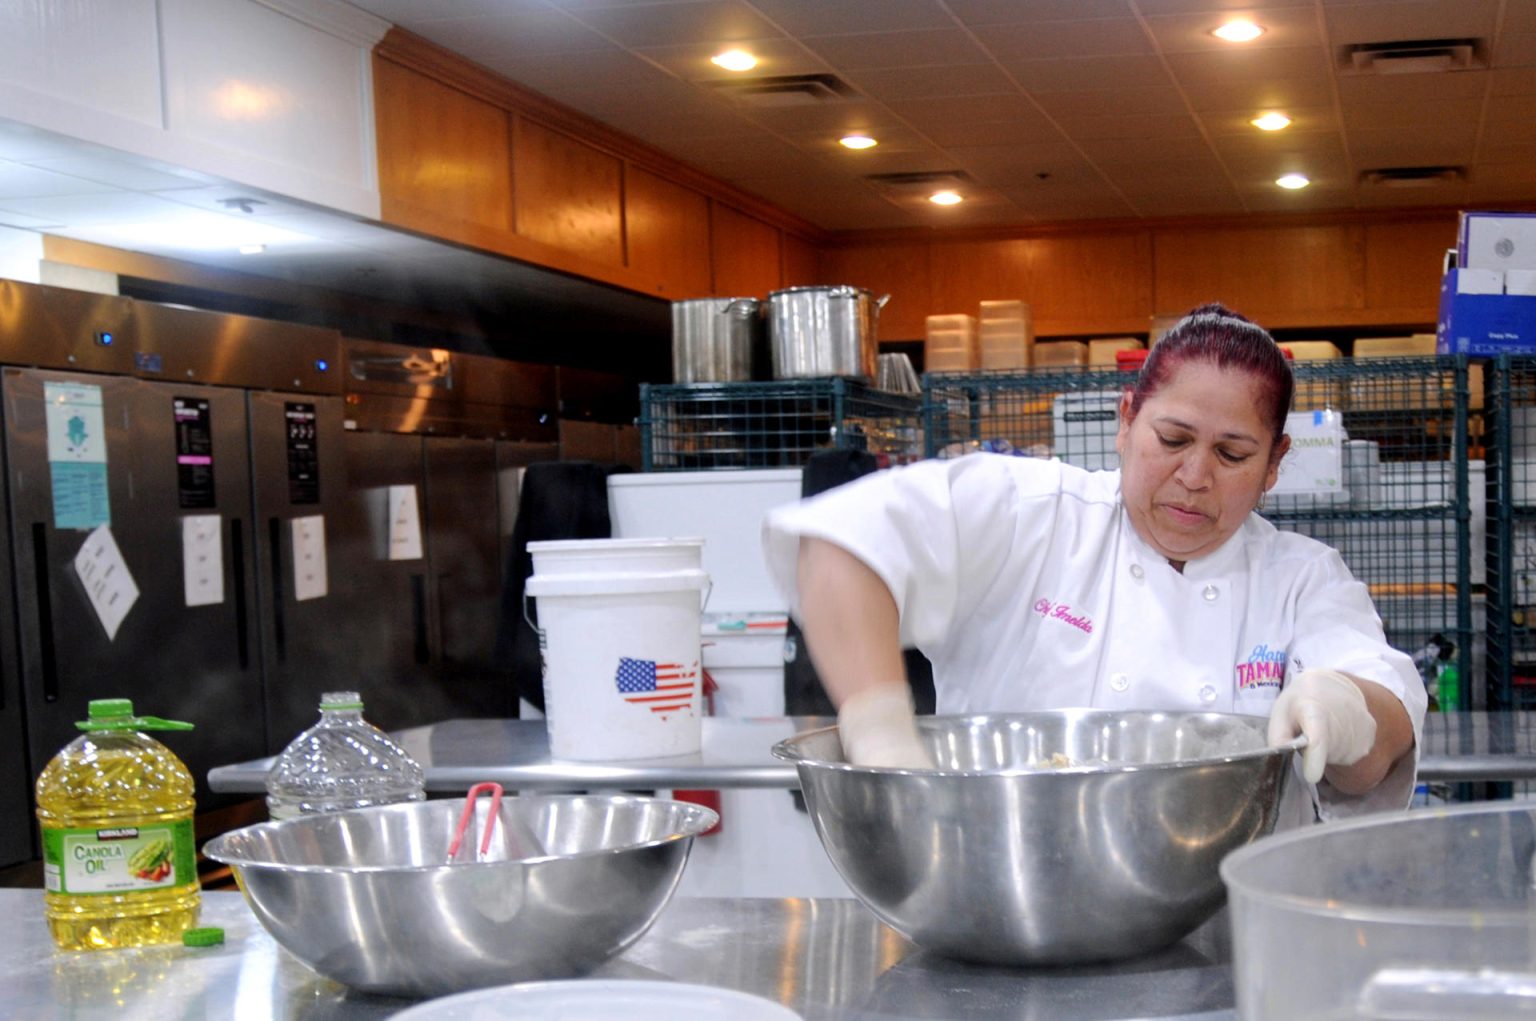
(364, 897)
(1000, 857)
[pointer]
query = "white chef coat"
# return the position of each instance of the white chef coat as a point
(1027, 586)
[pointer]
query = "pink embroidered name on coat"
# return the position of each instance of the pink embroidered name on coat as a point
(1063, 612)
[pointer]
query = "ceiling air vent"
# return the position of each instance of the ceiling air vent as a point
(784, 89)
(920, 180)
(1413, 56)
(1413, 177)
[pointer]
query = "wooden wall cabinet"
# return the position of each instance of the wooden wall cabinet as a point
(567, 193)
(667, 226)
(746, 254)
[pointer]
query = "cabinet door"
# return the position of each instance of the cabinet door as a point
(667, 229)
(746, 254)
(441, 150)
(568, 194)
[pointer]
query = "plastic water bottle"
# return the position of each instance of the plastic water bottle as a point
(115, 807)
(341, 762)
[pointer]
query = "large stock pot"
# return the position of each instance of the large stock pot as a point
(1419, 915)
(717, 340)
(824, 331)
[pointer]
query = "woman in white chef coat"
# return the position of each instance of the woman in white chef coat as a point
(1033, 584)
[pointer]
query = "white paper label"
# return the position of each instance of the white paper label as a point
(309, 575)
(1315, 462)
(202, 559)
(404, 524)
(108, 584)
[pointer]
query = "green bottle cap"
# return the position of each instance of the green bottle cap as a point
(337, 700)
(209, 937)
(117, 714)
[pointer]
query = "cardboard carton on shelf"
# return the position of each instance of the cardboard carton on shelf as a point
(1315, 394)
(1102, 350)
(1061, 354)
(1368, 394)
(950, 343)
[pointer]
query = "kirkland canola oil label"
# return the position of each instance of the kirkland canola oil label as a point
(118, 859)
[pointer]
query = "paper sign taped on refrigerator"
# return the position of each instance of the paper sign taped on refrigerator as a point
(404, 524)
(108, 583)
(77, 454)
(202, 560)
(309, 572)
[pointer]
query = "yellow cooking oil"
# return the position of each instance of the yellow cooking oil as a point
(115, 808)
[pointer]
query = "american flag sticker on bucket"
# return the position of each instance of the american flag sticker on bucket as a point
(663, 688)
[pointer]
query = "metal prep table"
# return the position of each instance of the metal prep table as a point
(456, 754)
(829, 960)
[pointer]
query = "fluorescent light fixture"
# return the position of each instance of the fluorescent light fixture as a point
(1292, 182)
(1272, 121)
(734, 60)
(252, 249)
(857, 142)
(1239, 30)
(945, 198)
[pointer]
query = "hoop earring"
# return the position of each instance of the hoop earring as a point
(1262, 497)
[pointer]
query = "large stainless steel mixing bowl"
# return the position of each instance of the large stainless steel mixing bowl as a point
(364, 897)
(997, 856)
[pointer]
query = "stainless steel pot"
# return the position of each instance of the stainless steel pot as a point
(717, 340)
(824, 331)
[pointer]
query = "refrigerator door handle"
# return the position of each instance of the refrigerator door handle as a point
(275, 537)
(419, 616)
(237, 579)
(44, 612)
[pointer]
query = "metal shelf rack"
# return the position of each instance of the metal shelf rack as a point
(780, 424)
(1401, 517)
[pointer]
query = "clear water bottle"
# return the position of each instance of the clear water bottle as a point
(341, 762)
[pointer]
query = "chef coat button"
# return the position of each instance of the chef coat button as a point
(1119, 682)
(1210, 593)
(1207, 693)
(1137, 572)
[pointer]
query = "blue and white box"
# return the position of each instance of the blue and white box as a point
(1484, 324)
(1495, 240)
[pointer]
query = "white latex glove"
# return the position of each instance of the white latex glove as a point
(1330, 709)
(878, 728)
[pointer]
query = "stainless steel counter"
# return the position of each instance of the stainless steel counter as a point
(1458, 747)
(828, 959)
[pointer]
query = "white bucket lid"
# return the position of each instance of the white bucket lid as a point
(579, 546)
(615, 584)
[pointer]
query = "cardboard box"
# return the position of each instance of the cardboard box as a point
(1315, 394)
(1101, 350)
(1058, 353)
(1395, 347)
(1495, 240)
(1484, 324)
(1084, 428)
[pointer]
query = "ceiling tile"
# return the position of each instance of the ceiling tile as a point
(1421, 19)
(1217, 67)
(98, 208)
(119, 173)
(923, 48)
(847, 17)
(1182, 33)
(569, 78)
(1016, 132)
(1066, 74)
(1012, 12)
(1431, 145)
(1258, 10)
(1513, 81)
(1369, 197)
(500, 41)
(1516, 147)
(1511, 131)
(1404, 89)
(1273, 199)
(1145, 101)
(1259, 94)
(1061, 208)
(709, 21)
(1515, 49)
(1521, 177)
(893, 85)
(1132, 127)
(1115, 152)
(1059, 161)
(831, 119)
(924, 114)
(1281, 154)
(1207, 204)
(19, 181)
(9, 218)
(1463, 114)
(1173, 177)
(1264, 168)
(1045, 39)
(413, 13)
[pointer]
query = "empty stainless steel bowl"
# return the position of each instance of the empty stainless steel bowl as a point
(364, 897)
(1003, 857)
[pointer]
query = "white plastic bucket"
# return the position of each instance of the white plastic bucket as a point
(616, 556)
(622, 666)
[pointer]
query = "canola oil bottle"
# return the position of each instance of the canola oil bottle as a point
(115, 808)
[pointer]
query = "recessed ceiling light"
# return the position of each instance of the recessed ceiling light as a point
(734, 60)
(945, 198)
(1271, 121)
(1240, 30)
(1293, 181)
(857, 142)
